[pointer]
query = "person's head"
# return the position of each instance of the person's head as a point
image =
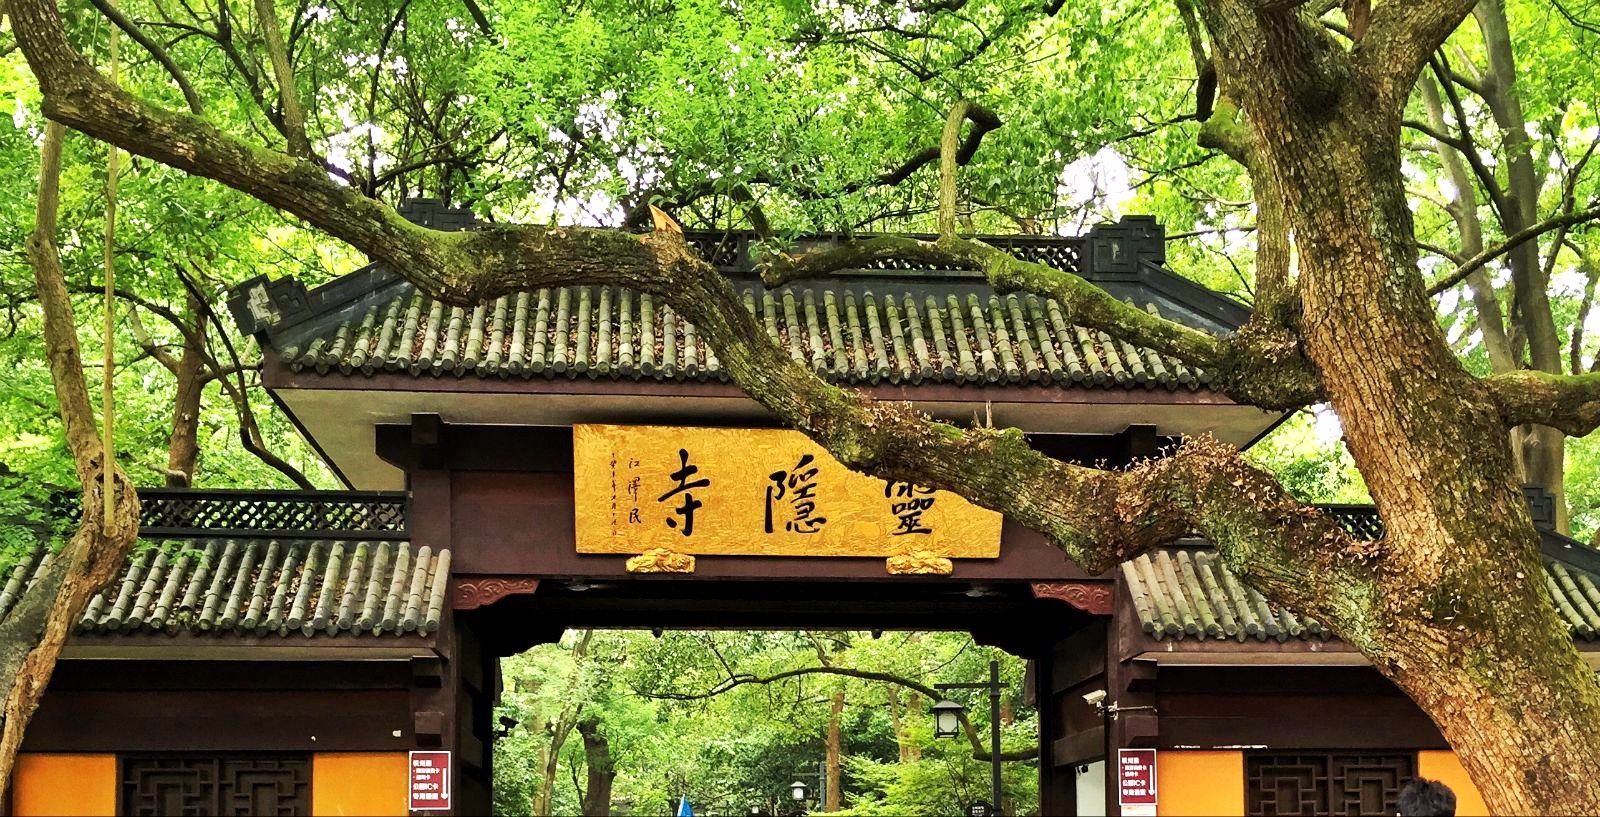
(1427, 798)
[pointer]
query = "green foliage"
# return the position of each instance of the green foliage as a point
(677, 727)
(1312, 467)
(571, 111)
(166, 221)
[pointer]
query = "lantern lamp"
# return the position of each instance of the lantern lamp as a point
(797, 790)
(947, 719)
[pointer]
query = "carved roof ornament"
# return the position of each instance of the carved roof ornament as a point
(1090, 597)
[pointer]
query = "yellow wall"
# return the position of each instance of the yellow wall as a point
(359, 783)
(1445, 768)
(1199, 783)
(65, 784)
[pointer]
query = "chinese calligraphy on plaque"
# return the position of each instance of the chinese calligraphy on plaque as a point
(756, 492)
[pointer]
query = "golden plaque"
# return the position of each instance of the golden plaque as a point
(756, 492)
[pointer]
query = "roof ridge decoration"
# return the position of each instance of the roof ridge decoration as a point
(896, 323)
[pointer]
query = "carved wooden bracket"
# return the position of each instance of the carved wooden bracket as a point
(1091, 597)
(472, 592)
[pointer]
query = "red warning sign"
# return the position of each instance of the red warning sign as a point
(430, 781)
(1136, 777)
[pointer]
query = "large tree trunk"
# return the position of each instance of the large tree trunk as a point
(835, 755)
(32, 637)
(602, 769)
(183, 444)
(1462, 622)
(1450, 604)
(1540, 450)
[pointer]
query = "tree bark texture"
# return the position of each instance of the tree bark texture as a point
(1450, 604)
(602, 770)
(835, 753)
(1460, 618)
(32, 637)
(183, 444)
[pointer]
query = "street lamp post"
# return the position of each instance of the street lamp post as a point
(947, 718)
(799, 791)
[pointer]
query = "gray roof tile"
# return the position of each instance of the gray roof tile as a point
(256, 588)
(1181, 593)
(890, 332)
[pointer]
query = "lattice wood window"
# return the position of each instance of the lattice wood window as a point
(1325, 783)
(227, 785)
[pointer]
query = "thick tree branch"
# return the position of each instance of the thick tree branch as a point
(1241, 371)
(294, 117)
(1463, 209)
(1084, 302)
(75, 94)
(156, 50)
(1296, 555)
(250, 436)
(183, 443)
(948, 145)
(1466, 144)
(1399, 39)
(479, 18)
(34, 634)
(1569, 403)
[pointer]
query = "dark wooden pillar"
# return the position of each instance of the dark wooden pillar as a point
(435, 685)
(1072, 730)
(475, 698)
(1058, 792)
(1133, 721)
(428, 478)
(453, 709)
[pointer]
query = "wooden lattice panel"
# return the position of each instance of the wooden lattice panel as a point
(326, 514)
(1324, 783)
(1369, 784)
(225, 785)
(730, 252)
(1360, 521)
(1286, 784)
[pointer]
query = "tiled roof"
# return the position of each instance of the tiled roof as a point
(1185, 593)
(261, 588)
(850, 331)
(1189, 593)
(903, 321)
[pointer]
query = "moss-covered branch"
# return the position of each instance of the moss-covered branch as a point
(1256, 366)
(1570, 403)
(1295, 555)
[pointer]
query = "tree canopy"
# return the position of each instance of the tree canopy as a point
(1403, 190)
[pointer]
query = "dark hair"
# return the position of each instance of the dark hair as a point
(1427, 798)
